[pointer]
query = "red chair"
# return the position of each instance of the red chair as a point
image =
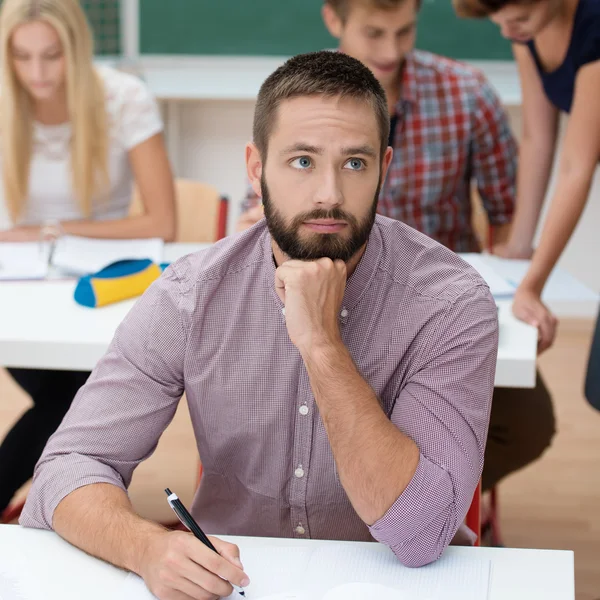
(12, 513)
(473, 518)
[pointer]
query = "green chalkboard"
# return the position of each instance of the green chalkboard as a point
(287, 27)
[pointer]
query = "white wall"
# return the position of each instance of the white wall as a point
(213, 135)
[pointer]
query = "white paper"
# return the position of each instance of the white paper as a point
(498, 284)
(332, 573)
(347, 573)
(561, 286)
(23, 260)
(81, 256)
(134, 588)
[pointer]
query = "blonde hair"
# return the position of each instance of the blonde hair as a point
(85, 100)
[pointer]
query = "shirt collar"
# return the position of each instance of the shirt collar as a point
(409, 91)
(356, 286)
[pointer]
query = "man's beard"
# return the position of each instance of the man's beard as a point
(317, 245)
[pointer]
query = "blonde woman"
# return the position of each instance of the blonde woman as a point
(73, 139)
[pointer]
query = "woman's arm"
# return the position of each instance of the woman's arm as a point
(154, 179)
(579, 158)
(536, 153)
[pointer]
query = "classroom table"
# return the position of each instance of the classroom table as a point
(43, 328)
(65, 573)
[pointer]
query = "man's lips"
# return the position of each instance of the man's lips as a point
(325, 225)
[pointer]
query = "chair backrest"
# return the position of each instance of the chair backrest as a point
(473, 519)
(201, 211)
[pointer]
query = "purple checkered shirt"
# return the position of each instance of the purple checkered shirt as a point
(422, 328)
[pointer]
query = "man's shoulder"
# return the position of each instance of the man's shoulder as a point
(444, 69)
(426, 268)
(236, 256)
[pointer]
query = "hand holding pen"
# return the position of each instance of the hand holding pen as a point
(177, 567)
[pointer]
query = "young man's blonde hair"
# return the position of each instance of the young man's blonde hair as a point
(85, 98)
(342, 7)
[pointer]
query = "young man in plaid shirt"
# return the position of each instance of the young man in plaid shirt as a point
(448, 131)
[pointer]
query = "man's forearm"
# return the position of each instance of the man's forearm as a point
(100, 520)
(500, 233)
(375, 460)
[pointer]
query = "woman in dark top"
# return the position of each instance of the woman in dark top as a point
(556, 44)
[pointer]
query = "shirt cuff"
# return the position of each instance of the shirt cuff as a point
(421, 523)
(56, 479)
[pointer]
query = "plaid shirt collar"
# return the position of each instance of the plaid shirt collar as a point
(409, 87)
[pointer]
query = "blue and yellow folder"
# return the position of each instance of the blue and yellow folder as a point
(119, 281)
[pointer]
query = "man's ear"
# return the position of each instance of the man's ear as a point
(332, 21)
(254, 167)
(385, 164)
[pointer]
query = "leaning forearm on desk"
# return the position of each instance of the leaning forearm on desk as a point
(375, 460)
(500, 233)
(567, 205)
(100, 520)
(535, 165)
(144, 226)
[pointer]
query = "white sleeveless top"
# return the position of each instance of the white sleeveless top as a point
(133, 117)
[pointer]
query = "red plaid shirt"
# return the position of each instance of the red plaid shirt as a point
(451, 130)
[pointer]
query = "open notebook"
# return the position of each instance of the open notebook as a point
(72, 256)
(348, 572)
(24, 260)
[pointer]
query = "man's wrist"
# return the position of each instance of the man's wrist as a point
(148, 534)
(324, 351)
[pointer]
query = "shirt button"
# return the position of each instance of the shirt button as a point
(299, 472)
(300, 530)
(303, 410)
(344, 313)
(283, 311)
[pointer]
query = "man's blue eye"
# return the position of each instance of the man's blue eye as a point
(356, 164)
(303, 162)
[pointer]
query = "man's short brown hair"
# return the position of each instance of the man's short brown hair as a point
(477, 9)
(342, 7)
(325, 73)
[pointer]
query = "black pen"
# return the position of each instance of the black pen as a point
(188, 521)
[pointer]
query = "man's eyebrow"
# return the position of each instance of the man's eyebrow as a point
(365, 150)
(301, 147)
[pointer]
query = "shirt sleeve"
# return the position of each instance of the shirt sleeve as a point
(134, 388)
(139, 117)
(494, 155)
(444, 407)
(250, 200)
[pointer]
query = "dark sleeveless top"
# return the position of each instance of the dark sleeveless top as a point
(584, 48)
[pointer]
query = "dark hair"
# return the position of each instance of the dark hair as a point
(325, 73)
(342, 7)
(477, 9)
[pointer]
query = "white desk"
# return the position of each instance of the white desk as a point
(42, 327)
(65, 573)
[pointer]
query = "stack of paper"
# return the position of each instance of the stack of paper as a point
(82, 256)
(499, 286)
(24, 260)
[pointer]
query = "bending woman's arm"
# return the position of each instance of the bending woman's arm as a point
(578, 161)
(536, 153)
